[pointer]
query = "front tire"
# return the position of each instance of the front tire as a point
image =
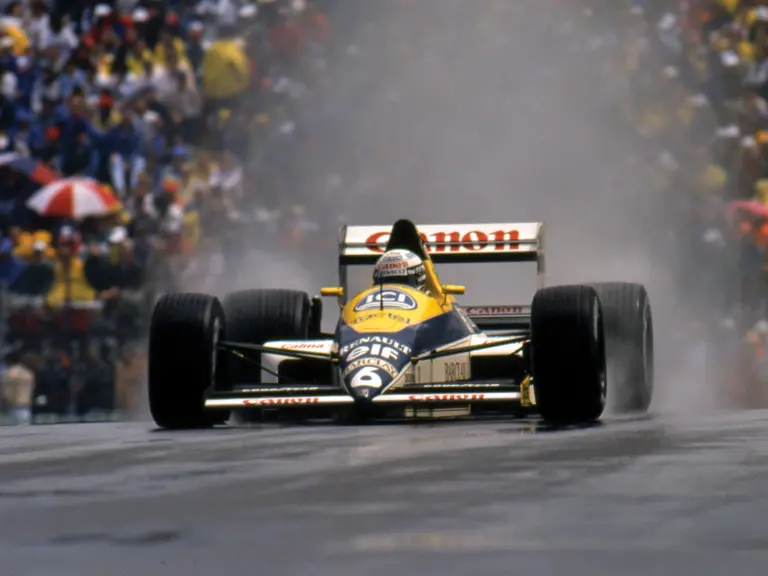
(568, 354)
(183, 337)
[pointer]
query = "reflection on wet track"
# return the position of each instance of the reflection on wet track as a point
(631, 496)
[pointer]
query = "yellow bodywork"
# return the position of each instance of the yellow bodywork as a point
(394, 320)
(430, 303)
(435, 300)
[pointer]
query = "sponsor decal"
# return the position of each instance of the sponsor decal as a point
(368, 377)
(376, 340)
(304, 346)
(439, 397)
(376, 362)
(389, 298)
(391, 273)
(282, 401)
(390, 316)
(456, 371)
(454, 241)
(401, 265)
(469, 385)
(398, 264)
(282, 389)
(497, 310)
(385, 352)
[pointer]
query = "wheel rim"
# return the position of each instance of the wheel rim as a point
(217, 331)
(648, 366)
(600, 344)
(603, 371)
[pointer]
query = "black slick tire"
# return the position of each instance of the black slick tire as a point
(258, 316)
(629, 345)
(183, 335)
(568, 354)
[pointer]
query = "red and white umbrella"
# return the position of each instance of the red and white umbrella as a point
(73, 198)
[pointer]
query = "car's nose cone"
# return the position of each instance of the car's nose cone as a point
(366, 380)
(369, 362)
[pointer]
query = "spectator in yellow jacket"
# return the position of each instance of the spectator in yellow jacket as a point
(69, 279)
(167, 44)
(24, 242)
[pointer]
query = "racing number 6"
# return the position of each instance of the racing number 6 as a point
(366, 376)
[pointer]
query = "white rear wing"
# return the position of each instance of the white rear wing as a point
(451, 242)
(454, 243)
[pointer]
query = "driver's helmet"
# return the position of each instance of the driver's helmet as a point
(400, 267)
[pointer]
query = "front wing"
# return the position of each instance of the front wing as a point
(318, 396)
(488, 393)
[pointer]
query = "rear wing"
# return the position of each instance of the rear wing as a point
(454, 243)
(450, 242)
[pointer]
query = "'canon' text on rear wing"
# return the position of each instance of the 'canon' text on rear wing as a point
(521, 242)
(454, 243)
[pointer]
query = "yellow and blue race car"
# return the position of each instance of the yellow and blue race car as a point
(404, 347)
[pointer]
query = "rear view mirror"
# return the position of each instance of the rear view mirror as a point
(337, 291)
(453, 289)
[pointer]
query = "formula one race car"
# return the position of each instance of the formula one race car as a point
(405, 349)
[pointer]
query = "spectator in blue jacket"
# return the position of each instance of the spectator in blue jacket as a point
(122, 145)
(27, 74)
(11, 267)
(77, 135)
(44, 130)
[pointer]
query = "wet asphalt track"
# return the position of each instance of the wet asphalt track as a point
(650, 496)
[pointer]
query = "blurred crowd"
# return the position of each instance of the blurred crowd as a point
(192, 130)
(689, 83)
(141, 143)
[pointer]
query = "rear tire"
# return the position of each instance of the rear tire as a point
(258, 316)
(629, 345)
(183, 335)
(568, 354)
